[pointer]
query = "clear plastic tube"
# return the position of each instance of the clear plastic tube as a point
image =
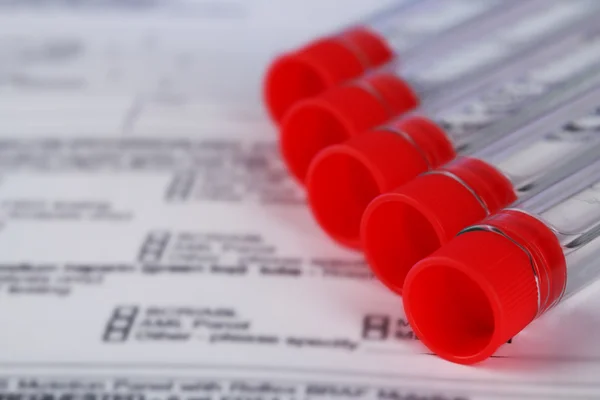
(351, 109)
(509, 269)
(476, 58)
(511, 99)
(410, 24)
(441, 202)
(391, 155)
(466, 122)
(525, 157)
(535, 156)
(571, 210)
(405, 32)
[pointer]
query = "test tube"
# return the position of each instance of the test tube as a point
(401, 32)
(494, 278)
(342, 179)
(403, 226)
(347, 110)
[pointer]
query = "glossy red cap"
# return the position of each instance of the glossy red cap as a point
(321, 65)
(483, 287)
(343, 179)
(402, 227)
(339, 114)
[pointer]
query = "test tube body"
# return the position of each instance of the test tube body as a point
(510, 269)
(478, 120)
(431, 78)
(344, 178)
(348, 110)
(404, 31)
(525, 160)
(401, 227)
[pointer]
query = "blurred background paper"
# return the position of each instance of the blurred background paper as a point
(128, 59)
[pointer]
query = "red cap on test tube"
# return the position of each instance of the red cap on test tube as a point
(343, 179)
(401, 227)
(321, 65)
(484, 286)
(339, 114)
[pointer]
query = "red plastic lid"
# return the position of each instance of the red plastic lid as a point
(427, 136)
(482, 288)
(543, 247)
(321, 65)
(338, 114)
(402, 227)
(343, 179)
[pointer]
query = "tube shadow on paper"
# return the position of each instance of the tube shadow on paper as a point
(565, 335)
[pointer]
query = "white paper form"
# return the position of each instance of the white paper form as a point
(171, 257)
(112, 67)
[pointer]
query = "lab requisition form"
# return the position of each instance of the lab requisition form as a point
(153, 247)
